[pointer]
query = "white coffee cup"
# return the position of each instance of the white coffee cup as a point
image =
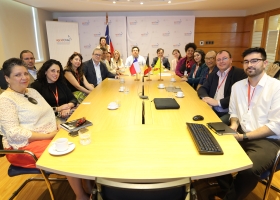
(161, 85)
(61, 144)
(122, 88)
(180, 94)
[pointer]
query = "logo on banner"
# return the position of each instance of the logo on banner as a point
(133, 22)
(134, 45)
(178, 21)
(88, 46)
(188, 33)
(119, 34)
(176, 45)
(97, 34)
(155, 22)
(64, 40)
(155, 45)
(166, 33)
(85, 23)
(144, 34)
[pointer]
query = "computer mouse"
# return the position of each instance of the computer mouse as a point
(198, 118)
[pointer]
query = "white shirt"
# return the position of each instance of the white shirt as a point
(264, 107)
(97, 72)
(141, 60)
(220, 91)
(33, 73)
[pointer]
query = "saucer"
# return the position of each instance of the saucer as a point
(112, 107)
(161, 87)
(54, 152)
(173, 80)
(179, 97)
(121, 90)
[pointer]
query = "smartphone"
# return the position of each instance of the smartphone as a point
(73, 134)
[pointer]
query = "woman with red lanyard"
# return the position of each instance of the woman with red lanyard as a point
(75, 78)
(197, 68)
(184, 65)
(51, 85)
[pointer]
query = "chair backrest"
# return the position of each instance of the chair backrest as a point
(169, 190)
(1, 145)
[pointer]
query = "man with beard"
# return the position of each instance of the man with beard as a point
(255, 113)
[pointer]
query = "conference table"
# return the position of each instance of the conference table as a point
(125, 147)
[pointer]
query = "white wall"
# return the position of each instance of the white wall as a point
(17, 30)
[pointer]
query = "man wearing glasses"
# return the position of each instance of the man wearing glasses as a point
(217, 88)
(96, 71)
(255, 112)
(28, 58)
(210, 61)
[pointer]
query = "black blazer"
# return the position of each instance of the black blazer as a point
(64, 93)
(165, 62)
(90, 73)
(208, 89)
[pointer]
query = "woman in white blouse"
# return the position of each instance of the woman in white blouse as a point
(27, 121)
(177, 56)
(117, 63)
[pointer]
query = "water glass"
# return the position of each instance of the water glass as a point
(84, 135)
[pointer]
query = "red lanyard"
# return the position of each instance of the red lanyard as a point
(55, 95)
(249, 91)
(222, 80)
(78, 77)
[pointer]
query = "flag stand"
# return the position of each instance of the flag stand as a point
(148, 79)
(136, 79)
(160, 79)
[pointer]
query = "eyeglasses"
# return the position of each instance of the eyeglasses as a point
(97, 55)
(252, 61)
(210, 58)
(223, 59)
(29, 59)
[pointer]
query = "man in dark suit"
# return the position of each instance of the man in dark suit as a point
(217, 88)
(96, 71)
(164, 61)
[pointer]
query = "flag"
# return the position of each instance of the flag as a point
(147, 67)
(108, 40)
(134, 68)
(157, 68)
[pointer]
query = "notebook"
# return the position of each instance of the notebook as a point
(220, 128)
(166, 103)
(75, 125)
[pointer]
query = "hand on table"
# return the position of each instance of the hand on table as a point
(210, 101)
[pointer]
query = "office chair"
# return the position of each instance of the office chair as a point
(266, 177)
(108, 189)
(15, 171)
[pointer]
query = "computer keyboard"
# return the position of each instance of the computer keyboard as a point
(204, 140)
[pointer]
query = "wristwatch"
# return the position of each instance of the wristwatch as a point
(245, 138)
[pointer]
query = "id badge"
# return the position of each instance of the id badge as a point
(245, 118)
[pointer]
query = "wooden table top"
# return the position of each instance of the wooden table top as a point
(124, 148)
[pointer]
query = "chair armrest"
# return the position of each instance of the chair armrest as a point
(19, 152)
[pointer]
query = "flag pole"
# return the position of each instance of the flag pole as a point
(160, 79)
(149, 78)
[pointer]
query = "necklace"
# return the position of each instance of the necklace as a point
(30, 99)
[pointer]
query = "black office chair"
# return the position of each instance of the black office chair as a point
(266, 177)
(15, 171)
(109, 189)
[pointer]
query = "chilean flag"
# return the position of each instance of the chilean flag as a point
(134, 68)
(108, 40)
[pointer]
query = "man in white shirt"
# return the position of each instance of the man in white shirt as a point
(135, 55)
(96, 71)
(28, 58)
(254, 111)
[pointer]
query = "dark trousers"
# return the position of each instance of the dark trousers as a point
(224, 116)
(262, 153)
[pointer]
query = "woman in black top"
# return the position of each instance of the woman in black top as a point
(75, 78)
(51, 85)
